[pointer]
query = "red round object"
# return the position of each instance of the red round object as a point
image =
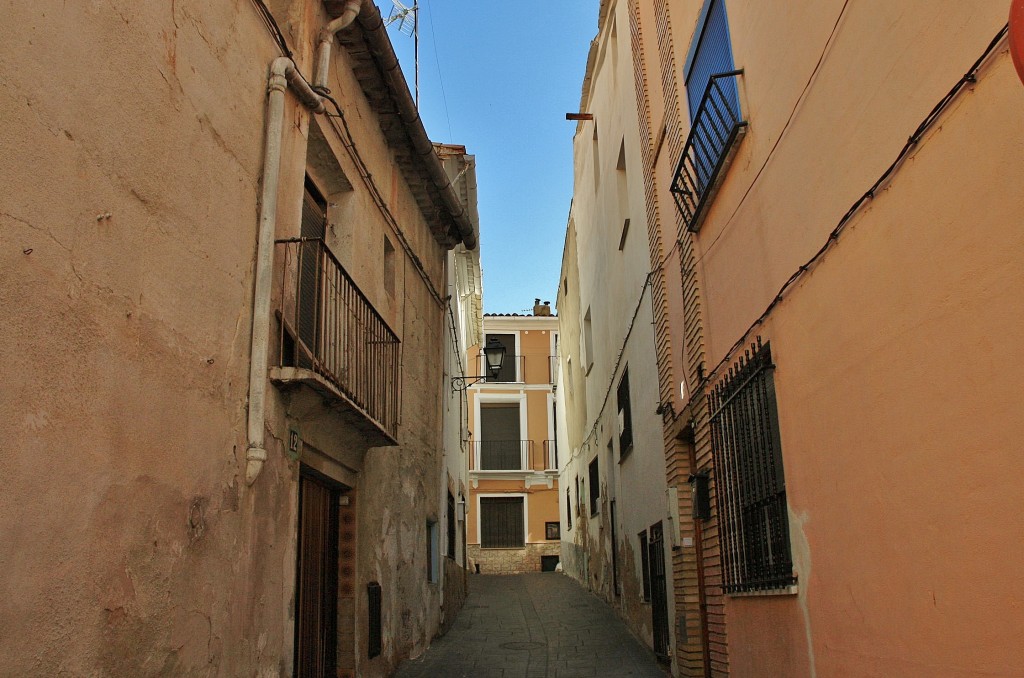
(1017, 36)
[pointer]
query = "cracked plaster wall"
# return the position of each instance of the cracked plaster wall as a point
(132, 145)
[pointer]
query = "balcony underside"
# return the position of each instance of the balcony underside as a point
(289, 379)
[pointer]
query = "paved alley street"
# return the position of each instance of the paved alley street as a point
(533, 625)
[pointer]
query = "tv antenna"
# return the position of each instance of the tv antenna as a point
(407, 18)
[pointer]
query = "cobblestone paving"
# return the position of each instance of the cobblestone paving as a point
(533, 626)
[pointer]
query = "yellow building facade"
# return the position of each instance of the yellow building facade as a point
(512, 513)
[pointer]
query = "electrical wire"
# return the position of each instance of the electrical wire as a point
(618, 359)
(440, 81)
(971, 76)
(785, 127)
(272, 26)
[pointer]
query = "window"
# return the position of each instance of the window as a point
(374, 611)
(389, 267)
(588, 342)
(509, 368)
(502, 523)
(625, 418)
(552, 531)
(499, 445)
(622, 193)
(710, 53)
(645, 566)
(595, 487)
(313, 227)
(715, 117)
(749, 482)
(451, 526)
(568, 509)
(432, 551)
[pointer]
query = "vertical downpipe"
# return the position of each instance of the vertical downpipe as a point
(256, 452)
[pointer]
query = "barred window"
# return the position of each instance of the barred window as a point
(501, 522)
(749, 482)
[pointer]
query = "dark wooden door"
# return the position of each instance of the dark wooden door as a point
(659, 591)
(316, 639)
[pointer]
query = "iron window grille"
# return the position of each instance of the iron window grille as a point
(750, 487)
(715, 129)
(501, 522)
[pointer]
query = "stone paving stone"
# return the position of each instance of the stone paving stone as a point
(539, 625)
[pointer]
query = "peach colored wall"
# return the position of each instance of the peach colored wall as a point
(896, 374)
(132, 154)
(542, 507)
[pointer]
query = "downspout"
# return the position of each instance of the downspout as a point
(282, 75)
(323, 56)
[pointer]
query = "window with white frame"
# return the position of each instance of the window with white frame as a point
(502, 522)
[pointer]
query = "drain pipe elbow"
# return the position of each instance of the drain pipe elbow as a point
(323, 60)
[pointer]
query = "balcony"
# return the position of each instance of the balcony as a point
(502, 455)
(512, 369)
(551, 455)
(710, 147)
(333, 341)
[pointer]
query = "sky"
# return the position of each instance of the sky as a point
(498, 78)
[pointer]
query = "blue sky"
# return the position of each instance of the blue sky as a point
(499, 77)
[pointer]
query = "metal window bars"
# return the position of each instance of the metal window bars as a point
(750, 486)
(331, 328)
(714, 131)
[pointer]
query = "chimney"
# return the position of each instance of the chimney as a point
(541, 309)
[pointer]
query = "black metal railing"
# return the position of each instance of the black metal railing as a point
(332, 329)
(503, 455)
(513, 369)
(550, 455)
(749, 481)
(715, 127)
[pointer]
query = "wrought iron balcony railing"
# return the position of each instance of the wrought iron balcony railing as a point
(503, 455)
(513, 369)
(550, 455)
(715, 130)
(330, 328)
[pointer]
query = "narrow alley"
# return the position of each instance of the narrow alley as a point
(533, 625)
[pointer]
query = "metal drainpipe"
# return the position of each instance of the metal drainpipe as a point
(323, 58)
(282, 75)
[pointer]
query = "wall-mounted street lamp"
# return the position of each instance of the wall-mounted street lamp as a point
(494, 354)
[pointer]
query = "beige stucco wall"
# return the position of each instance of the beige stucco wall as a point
(133, 143)
(609, 275)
